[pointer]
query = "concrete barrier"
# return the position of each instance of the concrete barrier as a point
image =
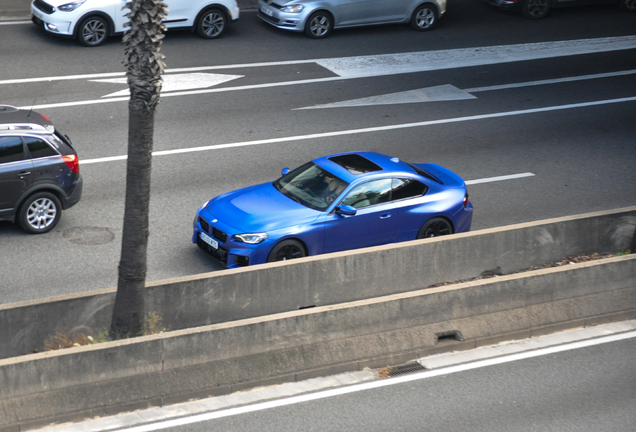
(155, 370)
(324, 280)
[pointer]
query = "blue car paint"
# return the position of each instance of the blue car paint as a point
(262, 208)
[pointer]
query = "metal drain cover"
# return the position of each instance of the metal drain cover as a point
(392, 371)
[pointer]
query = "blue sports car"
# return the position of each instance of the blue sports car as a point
(333, 203)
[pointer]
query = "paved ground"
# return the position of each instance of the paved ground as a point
(283, 391)
(20, 9)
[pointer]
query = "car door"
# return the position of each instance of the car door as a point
(373, 224)
(413, 206)
(358, 12)
(16, 173)
(181, 14)
(119, 12)
(396, 10)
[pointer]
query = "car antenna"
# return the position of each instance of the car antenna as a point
(32, 105)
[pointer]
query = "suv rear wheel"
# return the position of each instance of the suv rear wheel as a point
(211, 24)
(40, 213)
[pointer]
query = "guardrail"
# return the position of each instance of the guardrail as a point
(323, 280)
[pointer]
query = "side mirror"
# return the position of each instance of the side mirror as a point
(346, 210)
(285, 171)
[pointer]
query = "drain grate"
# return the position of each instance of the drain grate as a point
(392, 371)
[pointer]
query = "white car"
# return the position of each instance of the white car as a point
(92, 21)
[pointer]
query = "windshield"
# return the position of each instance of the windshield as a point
(311, 186)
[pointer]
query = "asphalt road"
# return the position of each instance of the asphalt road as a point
(575, 136)
(584, 390)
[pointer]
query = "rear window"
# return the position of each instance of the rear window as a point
(355, 164)
(39, 148)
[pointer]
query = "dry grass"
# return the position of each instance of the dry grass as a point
(61, 340)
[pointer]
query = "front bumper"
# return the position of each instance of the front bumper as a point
(290, 21)
(51, 22)
(511, 5)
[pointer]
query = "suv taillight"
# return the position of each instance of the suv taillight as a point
(466, 199)
(72, 161)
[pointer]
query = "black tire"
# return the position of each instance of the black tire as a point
(319, 25)
(93, 31)
(627, 5)
(286, 250)
(212, 23)
(39, 213)
(435, 227)
(535, 9)
(424, 17)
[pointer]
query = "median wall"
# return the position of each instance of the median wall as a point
(324, 280)
(103, 379)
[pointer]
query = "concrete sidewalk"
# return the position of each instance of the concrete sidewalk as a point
(11, 10)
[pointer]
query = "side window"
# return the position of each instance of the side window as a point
(369, 193)
(404, 188)
(39, 148)
(11, 149)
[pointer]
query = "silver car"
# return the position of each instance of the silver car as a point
(317, 18)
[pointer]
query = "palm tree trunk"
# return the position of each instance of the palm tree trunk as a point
(144, 64)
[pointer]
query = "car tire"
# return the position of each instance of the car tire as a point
(435, 227)
(93, 31)
(212, 23)
(535, 9)
(627, 5)
(424, 17)
(319, 25)
(286, 250)
(40, 213)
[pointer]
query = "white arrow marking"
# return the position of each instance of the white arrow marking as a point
(180, 82)
(448, 92)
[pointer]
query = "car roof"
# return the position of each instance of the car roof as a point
(351, 166)
(14, 119)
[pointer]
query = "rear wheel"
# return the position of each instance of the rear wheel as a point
(319, 25)
(40, 213)
(286, 250)
(212, 23)
(434, 228)
(424, 17)
(93, 31)
(535, 9)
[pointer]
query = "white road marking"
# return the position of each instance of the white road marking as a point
(14, 22)
(367, 130)
(385, 64)
(180, 82)
(448, 92)
(379, 383)
(499, 178)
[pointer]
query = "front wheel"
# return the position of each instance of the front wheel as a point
(93, 31)
(535, 9)
(424, 17)
(319, 25)
(286, 250)
(211, 24)
(434, 228)
(40, 213)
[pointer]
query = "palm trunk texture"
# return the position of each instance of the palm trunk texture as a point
(144, 66)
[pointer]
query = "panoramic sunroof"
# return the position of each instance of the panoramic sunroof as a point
(355, 164)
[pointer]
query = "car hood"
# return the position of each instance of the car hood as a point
(259, 208)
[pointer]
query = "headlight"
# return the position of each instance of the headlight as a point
(68, 7)
(292, 8)
(251, 238)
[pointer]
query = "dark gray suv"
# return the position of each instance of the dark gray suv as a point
(39, 170)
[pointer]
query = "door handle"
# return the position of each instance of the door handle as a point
(24, 174)
(385, 216)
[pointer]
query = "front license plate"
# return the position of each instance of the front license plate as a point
(209, 240)
(266, 11)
